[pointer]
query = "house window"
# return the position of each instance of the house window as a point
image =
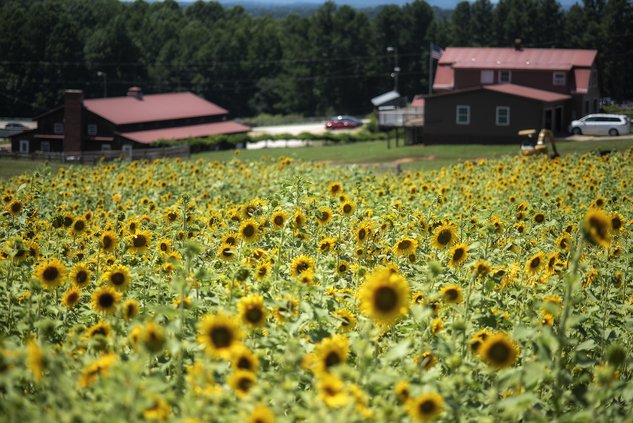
(24, 146)
(106, 147)
(559, 78)
(463, 115)
(58, 128)
(45, 147)
(487, 77)
(505, 77)
(92, 129)
(503, 116)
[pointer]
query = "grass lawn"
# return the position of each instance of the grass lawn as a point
(415, 157)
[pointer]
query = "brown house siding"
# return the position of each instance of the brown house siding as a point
(542, 80)
(441, 126)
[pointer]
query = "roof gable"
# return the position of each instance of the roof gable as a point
(152, 108)
(510, 58)
(511, 89)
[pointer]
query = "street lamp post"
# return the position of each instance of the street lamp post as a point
(396, 69)
(105, 83)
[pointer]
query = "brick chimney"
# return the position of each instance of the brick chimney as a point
(73, 120)
(518, 45)
(135, 92)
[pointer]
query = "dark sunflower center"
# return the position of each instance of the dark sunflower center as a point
(499, 352)
(362, 234)
(330, 391)
(427, 407)
(106, 300)
(172, 216)
(244, 384)
(385, 299)
(231, 240)
(598, 226)
(404, 245)
(51, 273)
(81, 277)
(324, 216)
(342, 268)
(107, 242)
(140, 241)
(249, 231)
(458, 254)
(254, 315)
(100, 331)
(616, 223)
(73, 297)
(332, 359)
(279, 220)
(163, 247)
(16, 207)
(244, 363)
(539, 218)
(117, 278)
(68, 221)
(79, 225)
(302, 267)
(536, 262)
(130, 310)
(262, 271)
(347, 208)
(221, 337)
(444, 237)
(451, 294)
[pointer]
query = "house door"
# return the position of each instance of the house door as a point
(127, 151)
(548, 119)
(558, 119)
(24, 146)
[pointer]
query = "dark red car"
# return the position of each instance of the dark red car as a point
(343, 122)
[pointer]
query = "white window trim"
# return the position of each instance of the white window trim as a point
(58, 128)
(559, 78)
(487, 72)
(92, 129)
(48, 147)
(499, 108)
(24, 146)
(467, 108)
(509, 81)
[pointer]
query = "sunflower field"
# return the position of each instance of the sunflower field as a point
(280, 290)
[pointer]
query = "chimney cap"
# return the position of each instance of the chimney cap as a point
(135, 92)
(518, 44)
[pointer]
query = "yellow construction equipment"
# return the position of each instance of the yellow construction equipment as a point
(534, 145)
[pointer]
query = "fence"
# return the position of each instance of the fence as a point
(409, 116)
(92, 157)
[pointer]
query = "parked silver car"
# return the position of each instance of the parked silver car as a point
(601, 124)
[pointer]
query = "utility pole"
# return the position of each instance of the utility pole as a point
(396, 69)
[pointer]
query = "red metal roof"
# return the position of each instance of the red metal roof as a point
(153, 107)
(182, 132)
(510, 58)
(444, 78)
(418, 101)
(527, 92)
(582, 80)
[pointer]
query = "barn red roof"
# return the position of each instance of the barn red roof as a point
(527, 92)
(510, 58)
(153, 107)
(182, 132)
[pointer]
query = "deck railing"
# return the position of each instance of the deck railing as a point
(398, 118)
(91, 157)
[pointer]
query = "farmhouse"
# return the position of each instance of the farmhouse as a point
(486, 95)
(134, 121)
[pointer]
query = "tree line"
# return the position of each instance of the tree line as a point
(332, 61)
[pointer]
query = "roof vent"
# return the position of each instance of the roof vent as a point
(517, 44)
(135, 92)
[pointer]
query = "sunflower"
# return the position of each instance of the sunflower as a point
(35, 360)
(130, 309)
(171, 215)
(331, 352)
(384, 296)
(617, 222)
(118, 277)
(140, 241)
(79, 226)
(327, 244)
(164, 246)
(98, 329)
(262, 270)
(403, 391)
(332, 391)
(261, 414)
(425, 407)
(278, 219)
(252, 311)
(335, 188)
(242, 381)
(539, 217)
(299, 219)
(481, 267)
(535, 263)
(596, 227)
(242, 358)
(452, 294)
(230, 239)
(80, 276)
(15, 207)
(342, 268)
(458, 255)
(96, 368)
(478, 339)
(105, 299)
(249, 230)
(159, 410)
(437, 325)
(108, 241)
(51, 273)
(427, 359)
(444, 235)
(348, 207)
(363, 231)
(499, 351)
(153, 337)
(405, 246)
(324, 216)
(226, 252)
(564, 242)
(301, 264)
(347, 318)
(71, 297)
(219, 334)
